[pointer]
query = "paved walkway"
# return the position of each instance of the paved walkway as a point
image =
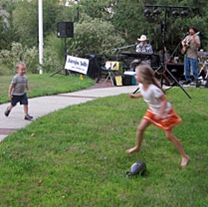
(41, 106)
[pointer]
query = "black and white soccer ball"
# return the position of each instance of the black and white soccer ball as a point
(137, 168)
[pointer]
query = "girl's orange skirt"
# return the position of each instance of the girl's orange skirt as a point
(166, 123)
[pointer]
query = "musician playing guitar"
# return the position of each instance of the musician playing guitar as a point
(191, 44)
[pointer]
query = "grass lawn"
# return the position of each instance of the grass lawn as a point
(77, 157)
(43, 85)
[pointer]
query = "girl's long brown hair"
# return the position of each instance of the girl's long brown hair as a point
(147, 73)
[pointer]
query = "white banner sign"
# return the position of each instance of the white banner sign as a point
(76, 64)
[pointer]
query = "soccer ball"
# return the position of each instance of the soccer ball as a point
(137, 168)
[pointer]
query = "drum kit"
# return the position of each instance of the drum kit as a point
(203, 72)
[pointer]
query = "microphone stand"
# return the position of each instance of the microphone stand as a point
(124, 47)
(164, 63)
(171, 57)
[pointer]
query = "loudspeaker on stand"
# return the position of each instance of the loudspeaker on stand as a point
(65, 29)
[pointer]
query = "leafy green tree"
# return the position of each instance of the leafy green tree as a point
(178, 26)
(118, 22)
(91, 36)
(26, 23)
(129, 20)
(2, 34)
(94, 36)
(101, 9)
(8, 33)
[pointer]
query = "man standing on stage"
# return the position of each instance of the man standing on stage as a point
(191, 44)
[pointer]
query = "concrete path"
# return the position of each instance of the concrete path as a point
(41, 106)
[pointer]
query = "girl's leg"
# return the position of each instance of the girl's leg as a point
(170, 136)
(139, 137)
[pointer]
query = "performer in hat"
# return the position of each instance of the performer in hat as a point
(144, 46)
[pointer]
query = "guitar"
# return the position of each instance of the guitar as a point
(187, 45)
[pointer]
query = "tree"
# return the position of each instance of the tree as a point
(126, 19)
(3, 28)
(94, 36)
(91, 36)
(101, 9)
(8, 33)
(26, 23)
(130, 22)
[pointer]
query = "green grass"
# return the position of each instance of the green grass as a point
(42, 85)
(77, 158)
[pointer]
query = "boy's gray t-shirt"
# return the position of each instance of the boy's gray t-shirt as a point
(20, 83)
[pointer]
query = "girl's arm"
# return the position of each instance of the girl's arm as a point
(138, 95)
(163, 106)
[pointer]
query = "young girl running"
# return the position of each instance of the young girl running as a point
(159, 113)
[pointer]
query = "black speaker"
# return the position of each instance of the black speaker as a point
(95, 62)
(177, 69)
(65, 29)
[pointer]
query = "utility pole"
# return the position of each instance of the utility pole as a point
(40, 26)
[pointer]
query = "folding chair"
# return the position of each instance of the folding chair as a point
(111, 67)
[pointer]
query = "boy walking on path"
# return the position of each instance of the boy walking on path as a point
(17, 90)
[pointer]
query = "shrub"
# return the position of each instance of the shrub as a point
(9, 58)
(93, 36)
(53, 54)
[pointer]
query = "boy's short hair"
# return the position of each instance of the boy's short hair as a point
(20, 63)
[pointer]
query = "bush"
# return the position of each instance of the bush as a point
(93, 36)
(9, 58)
(53, 54)
(5, 71)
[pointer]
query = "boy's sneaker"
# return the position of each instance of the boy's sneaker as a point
(6, 113)
(28, 117)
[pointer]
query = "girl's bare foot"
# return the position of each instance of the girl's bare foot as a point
(131, 150)
(185, 161)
